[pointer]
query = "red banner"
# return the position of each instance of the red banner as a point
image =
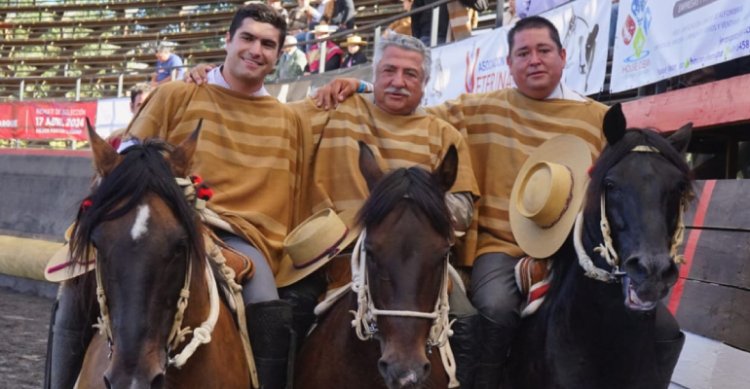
(46, 120)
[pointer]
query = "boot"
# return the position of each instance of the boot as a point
(269, 325)
(667, 354)
(466, 348)
(69, 335)
(303, 296)
(495, 346)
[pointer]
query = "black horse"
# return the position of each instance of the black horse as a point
(596, 328)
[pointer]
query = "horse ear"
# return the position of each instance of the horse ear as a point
(681, 138)
(614, 124)
(105, 156)
(448, 170)
(182, 156)
(369, 166)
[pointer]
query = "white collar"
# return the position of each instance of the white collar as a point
(564, 93)
(214, 77)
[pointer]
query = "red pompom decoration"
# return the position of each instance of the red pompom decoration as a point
(204, 193)
(591, 169)
(196, 179)
(86, 204)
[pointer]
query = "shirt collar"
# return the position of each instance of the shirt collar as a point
(562, 92)
(214, 77)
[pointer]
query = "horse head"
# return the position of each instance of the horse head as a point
(408, 239)
(146, 237)
(642, 183)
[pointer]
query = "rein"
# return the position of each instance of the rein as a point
(365, 317)
(607, 251)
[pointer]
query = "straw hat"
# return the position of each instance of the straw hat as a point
(324, 29)
(314, 242)
(548, 193)
(354, 40)
(61, 267)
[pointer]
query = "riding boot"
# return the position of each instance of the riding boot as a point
(303, 296)
(667, 354)
(465, 346)
(69, 336)
(269, 325)
(495, 346)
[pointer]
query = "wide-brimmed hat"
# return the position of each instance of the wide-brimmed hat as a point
(354, 40)
(314, 243)
(324, 29)
(548, 193)
(62, 267)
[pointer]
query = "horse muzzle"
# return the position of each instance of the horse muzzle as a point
(404, 374)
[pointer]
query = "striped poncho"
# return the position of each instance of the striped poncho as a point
(248, 153)
(503, 128)
(397, 141)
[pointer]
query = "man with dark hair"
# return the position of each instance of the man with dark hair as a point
(247, 152)
(138, 94)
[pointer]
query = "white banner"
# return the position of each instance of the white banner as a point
(656, 40)
(112, 114)
(477, 64)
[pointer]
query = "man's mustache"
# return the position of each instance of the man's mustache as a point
(398, 91)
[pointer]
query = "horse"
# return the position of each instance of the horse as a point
(398, 294)
(153, 280)
(595, 328)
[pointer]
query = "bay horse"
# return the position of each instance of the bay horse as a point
(595, 328)
(398, 295)
(154, 284)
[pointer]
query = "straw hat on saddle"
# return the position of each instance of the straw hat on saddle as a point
(354, 40)
(548, 193)
(314, 243)
(61, 267)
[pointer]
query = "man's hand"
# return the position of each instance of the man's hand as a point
(199, 74)
(330, 95)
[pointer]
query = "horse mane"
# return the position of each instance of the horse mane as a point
(415, 185)
(143, 170)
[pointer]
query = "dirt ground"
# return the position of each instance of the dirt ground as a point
(24, 320)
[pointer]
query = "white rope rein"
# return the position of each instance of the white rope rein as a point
(365, 317)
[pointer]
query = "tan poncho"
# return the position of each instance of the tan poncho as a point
(248, 153)
(503, 128)
(397, 141)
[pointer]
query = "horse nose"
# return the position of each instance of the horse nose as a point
(158, 381)
(655, 274)
(398, 375)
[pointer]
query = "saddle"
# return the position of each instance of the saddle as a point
(241, 264)
(532, 278)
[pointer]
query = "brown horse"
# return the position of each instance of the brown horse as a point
(397, 295)
(150, 259)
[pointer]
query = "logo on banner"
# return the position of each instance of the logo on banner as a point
(471, 69)
(636, 29)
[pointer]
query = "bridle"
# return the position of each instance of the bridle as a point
(606, 249)
(177, 334)
(365, 317)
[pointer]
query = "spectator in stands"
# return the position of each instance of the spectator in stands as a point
(253, 164)
(300, 18)
(334, 54)
(455, 20)
(354, 55)
(276, 5)
(509, 15)
(166, 62)
(138, 94)
(535, 110)
(343, 14)
(403, 25)
(292, 62)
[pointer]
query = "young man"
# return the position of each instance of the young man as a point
(503, 128)
(248, 153)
